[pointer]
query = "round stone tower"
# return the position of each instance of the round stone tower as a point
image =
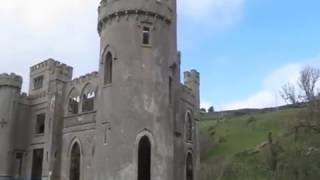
(135, 121)
(10, 86)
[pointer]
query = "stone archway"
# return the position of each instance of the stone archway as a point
(144, 159)
(75, 162)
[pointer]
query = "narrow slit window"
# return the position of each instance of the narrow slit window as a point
(146, 35)
(108, 69)
(170, 90)
(189, 128)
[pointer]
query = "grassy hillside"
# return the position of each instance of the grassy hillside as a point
(237, 147)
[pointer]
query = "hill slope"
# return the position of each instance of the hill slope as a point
(237, 147)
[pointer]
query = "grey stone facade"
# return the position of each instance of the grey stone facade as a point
(132, 119)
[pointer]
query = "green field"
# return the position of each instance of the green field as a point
(236, 147)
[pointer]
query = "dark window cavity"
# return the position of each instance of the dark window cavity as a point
(146, 35)
(40, 123)
(170, 90)
(144, 159)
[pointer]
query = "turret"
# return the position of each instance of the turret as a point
(192, 81)
(10, 85)
(138, 49)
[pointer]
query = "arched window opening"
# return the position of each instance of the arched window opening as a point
(88, 99)
(144, 159)
(74, 101)
(189, 127)
(189, 167)
(75, 162)
(108, 69)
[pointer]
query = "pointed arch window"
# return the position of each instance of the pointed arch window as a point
(73, 102)
(189, 127)
(144, 159)
(108, 69)
(88, 98)
(75, 162)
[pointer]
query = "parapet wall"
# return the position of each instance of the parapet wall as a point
(11, 80)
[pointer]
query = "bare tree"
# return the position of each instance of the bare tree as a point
(309, 77)
(288, 93)
(310, 117)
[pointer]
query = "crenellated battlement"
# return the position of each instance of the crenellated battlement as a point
(12, 80)
(155, 11)
(85, 78)
(53, 66)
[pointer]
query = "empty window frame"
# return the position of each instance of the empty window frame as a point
(38, 82)
(88, 98)
(73, 102)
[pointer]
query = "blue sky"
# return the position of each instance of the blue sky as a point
(244, 49)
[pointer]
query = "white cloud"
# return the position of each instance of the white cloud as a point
(218, 13)
(42, 15)
(269, 96)
(35, 30)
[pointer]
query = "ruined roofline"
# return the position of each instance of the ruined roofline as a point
(85, 78)
(12, 80)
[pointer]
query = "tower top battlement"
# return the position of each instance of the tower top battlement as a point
(192, 76)
(51, 64)
(152, 9)
(11, 80)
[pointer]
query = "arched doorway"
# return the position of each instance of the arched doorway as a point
(144, 159)
(189, 167)
(75, 162)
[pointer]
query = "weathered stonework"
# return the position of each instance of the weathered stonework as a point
(133, 113)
